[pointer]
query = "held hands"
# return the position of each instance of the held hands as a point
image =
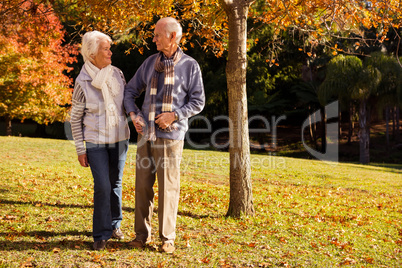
(165, 119)
(138, 122)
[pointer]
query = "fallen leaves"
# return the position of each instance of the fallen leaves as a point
(347, 261)
(28, 263)
(297, 221)
(9, 218)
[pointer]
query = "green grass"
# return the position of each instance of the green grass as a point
(308, 213)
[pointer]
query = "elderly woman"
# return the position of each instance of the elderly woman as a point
(98, 118)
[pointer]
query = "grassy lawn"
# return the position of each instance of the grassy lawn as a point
(308, 213)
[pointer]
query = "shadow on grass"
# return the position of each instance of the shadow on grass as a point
(195, 216)
(46, 234)
(55, 246)
(39, 203)
(59, 205)
(127, 209)
(391, 168)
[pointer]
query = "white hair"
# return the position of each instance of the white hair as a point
(172, 25)
(90, 44)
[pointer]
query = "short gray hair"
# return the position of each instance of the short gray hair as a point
(172, 25)
(90, 44)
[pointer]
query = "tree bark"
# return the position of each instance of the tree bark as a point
(351, 123)
(340, 124)
(8, 126)
(387, 127)
(241, 197)
(397, 134)
(323, 130)
(364, 133)
(393, 110)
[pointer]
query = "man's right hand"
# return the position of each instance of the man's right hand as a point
(138, 122)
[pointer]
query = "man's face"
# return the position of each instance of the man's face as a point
(162, 41)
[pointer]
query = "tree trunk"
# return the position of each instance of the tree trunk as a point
(397, 134)
(241, 197)
(387, 127)
(351, 123)
(364, 133)
(8, 126)
(393, 110)
(315, 130)
(340, 124)
(323, 130)
(312, 127)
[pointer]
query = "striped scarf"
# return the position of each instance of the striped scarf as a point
(160, 66)
(104, 80)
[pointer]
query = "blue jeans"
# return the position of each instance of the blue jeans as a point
(107, 163)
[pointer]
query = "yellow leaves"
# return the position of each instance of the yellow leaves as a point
(196, 7)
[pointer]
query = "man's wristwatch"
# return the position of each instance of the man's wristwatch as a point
(176, 117)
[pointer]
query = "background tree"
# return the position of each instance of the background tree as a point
(389, 87)
(33, 65)
(375, 79)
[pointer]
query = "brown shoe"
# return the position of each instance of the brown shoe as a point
(118, 234)
(167, 247)
(136, 244)
(100, 245)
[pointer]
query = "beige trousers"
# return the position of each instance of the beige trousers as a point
(160, 159)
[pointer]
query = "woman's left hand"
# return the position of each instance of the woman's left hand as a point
(83, 159)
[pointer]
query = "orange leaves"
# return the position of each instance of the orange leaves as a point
(272, 62)
(347, 261)
(28, 263)
(205, 260)
(98, 258)
(34, 65)
(335, 50)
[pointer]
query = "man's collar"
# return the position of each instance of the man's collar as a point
(171, 57)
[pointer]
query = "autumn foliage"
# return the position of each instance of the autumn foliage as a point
(319, 20)
(33, 63)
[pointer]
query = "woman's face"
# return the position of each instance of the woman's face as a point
(104, 56)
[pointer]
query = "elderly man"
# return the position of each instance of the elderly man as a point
(174, 92)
